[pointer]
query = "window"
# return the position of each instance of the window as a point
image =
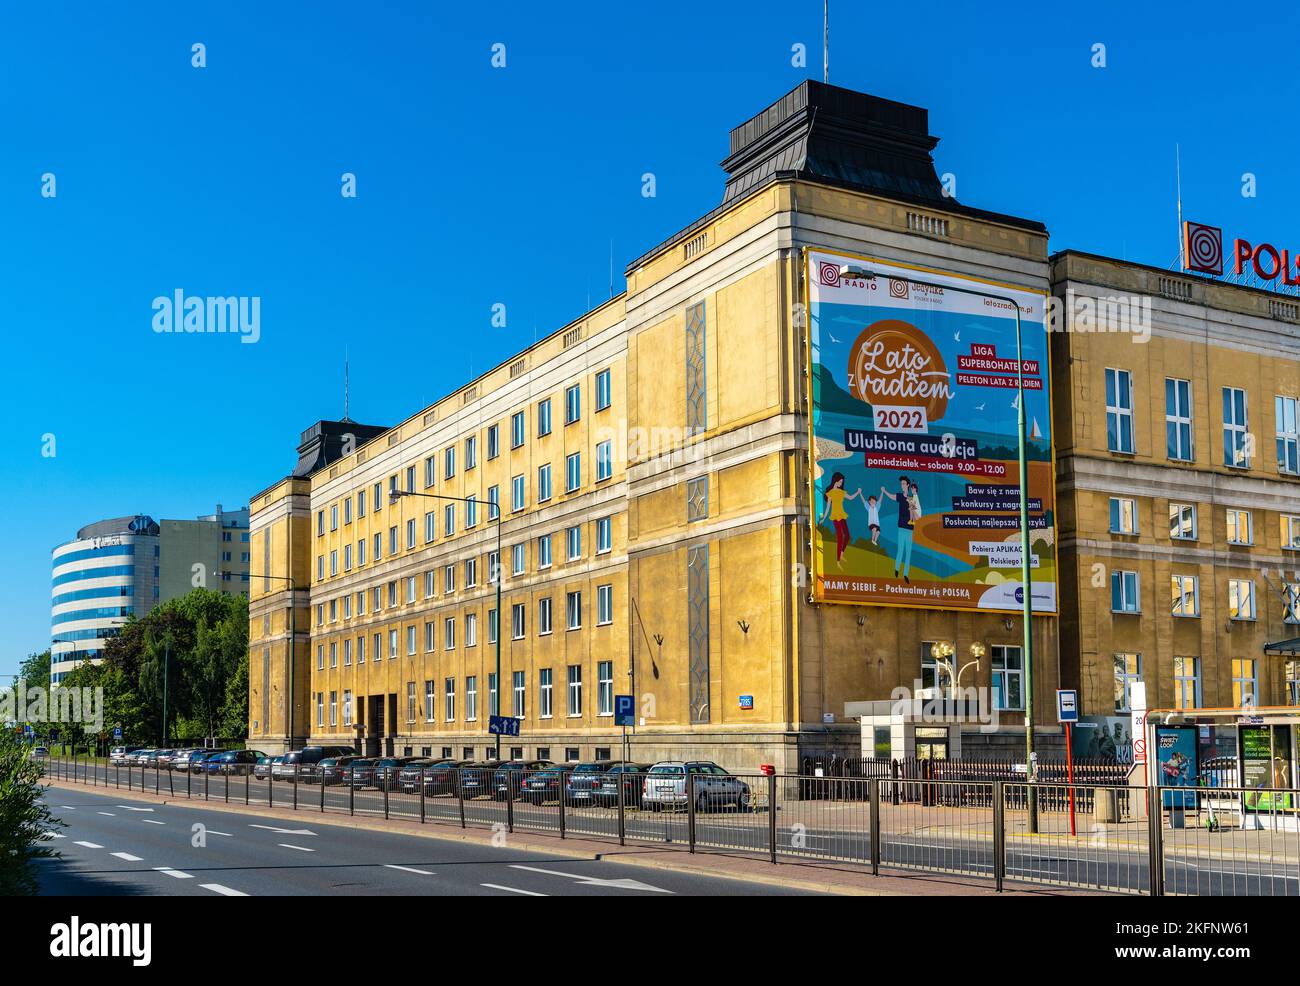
(1008, 681)
(1178, 419)
(334, 610)
(492, 626)
(518, 694)
(361, 647)
(544, 552)
(334, 517)
(471, 452)
(320, 708)
(517, 493)
(471, 511)
(572, 404)
(449, 462)
(494, 567)
(429, 636)
(471, 572)
(471, 698)
(1187, 682)
(573, 539)
(575, 690)
(1123, 516)
(320, 568)
(517, 429)
(378, 652)
(1186, 593)
(449, 700)
(334, 654)
(1239, 527)
(604, 538)
(543, 483)
(1291, 532)
(392, 594)
(430, 526)
(361, 503)
(410, 640)
(573, 610)
(545, 696)
(379, 496)
(605, 688)
(1119, 411)
(1288, 437)
(1124, 592)
(494, 699)
(347, 707)
(410, 479)
(449, 579)
(361, 552)
(347, 557)
(494, 502)
(320, 657)
(347, 652)
(572, 472)
(1128, 669)
(320, 523)
(428, 700)
(602, 390)
(604, 604)
(1245, 684)
(410, 534)
(493, 442)
(334, 708)
(392, 540)
(518, 559)
(517, 621)
(604, 460)
(544, 615)
(449, 520)
(543, 418)
(334, 563)
(1236, 444)
(449, 633)
(1291, 681)
(1241, 599)
(471, 629)
(410, 701)
(1182, 522)
(410, 589)
(430, 584)
(430, 470)
(392, 644)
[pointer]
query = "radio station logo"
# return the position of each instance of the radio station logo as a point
(829, 274)
(1203, 248)
(899, 289)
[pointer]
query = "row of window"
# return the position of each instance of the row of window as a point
(1185, 596)
(1238, 443)
(1187, 681)
(573, 463)
(573, 616)
(1240, 527)
(573, 697)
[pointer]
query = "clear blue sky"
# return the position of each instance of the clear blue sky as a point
(479, 185)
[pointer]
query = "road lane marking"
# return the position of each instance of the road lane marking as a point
(215, 832)
(179, 874)
(217, 888)
(513, 890)
(594, 881)
(110, 814)
(55, 835)
(286, 845)
(407, 869)
(127, 856)
(280, 831)
(90, 845)
(130, 808)
(69, 807)
(153, 821)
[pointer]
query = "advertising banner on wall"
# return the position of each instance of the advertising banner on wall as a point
(913, 439)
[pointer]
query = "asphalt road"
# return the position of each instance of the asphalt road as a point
(110, 845)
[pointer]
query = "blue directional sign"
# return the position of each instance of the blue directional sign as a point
(503, 725)
(624, 710)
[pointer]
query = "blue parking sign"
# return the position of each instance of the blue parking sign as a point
(624, 710)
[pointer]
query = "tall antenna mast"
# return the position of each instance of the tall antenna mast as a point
(1178, 180)
(345, 384)
(611, 267)
(826, 41)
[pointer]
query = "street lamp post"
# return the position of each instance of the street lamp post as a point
(1025, 571)
(394, 495)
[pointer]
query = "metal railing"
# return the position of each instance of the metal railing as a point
(1097, 837)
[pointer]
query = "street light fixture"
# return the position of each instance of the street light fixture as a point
(494, 515)
(861, 273)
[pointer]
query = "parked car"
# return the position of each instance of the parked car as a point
(39, 752)
(211, 761)
(540, 786)
(440, 778)
(665, 786)
(411, 778)
(331, 769)
(584, 781)
(262, 769)
(195, 759)
(630, 775)
(302, 763)
(180, 759)
(507, 777)
(360, 772)
(157, 758)
(137, 757)
(476, 777)
(120, 754)
(234, 762)
(387, 770)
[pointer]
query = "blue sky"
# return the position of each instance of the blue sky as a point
(479, 185)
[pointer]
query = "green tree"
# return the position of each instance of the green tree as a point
(34, 671)
(24, 818)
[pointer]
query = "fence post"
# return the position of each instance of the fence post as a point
(874, 834)
(117, 776)
(320, 779)
(207, 783)
(771, 813)
(352, 796)
(295, 787)
(690, 810)
(248, 783)
(1155, 841)
(460, 790)
(227, 789)
(999, 834)
(510, 802)
(156, 778)
(270, 785)
(189, 780)
(385, 783)
(893, 787)
(171, 782)
(421, 795)
(622, 816)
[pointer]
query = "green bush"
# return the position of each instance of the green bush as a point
(24, 818)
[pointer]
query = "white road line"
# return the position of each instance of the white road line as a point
(215, 832)
(153, 821)
(286, 845)
(176, 873)
(127, 856)
(90, 845)
(55, 835)
(69, 807)
(110, 814)
(513, 890)
(130, 808)
(407, 869)
(217, 888)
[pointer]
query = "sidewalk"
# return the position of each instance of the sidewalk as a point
(822, 877)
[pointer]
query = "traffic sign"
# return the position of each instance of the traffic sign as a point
(624, 710)
(117, 732)
(1067, 705)
(503, 725)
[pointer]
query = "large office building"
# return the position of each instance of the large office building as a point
(691, 511)
(122, 567)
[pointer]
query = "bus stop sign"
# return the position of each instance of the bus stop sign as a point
(1067, 705)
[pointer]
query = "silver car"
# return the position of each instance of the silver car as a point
(665, 786)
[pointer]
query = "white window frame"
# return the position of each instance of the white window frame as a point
(1119, 412)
